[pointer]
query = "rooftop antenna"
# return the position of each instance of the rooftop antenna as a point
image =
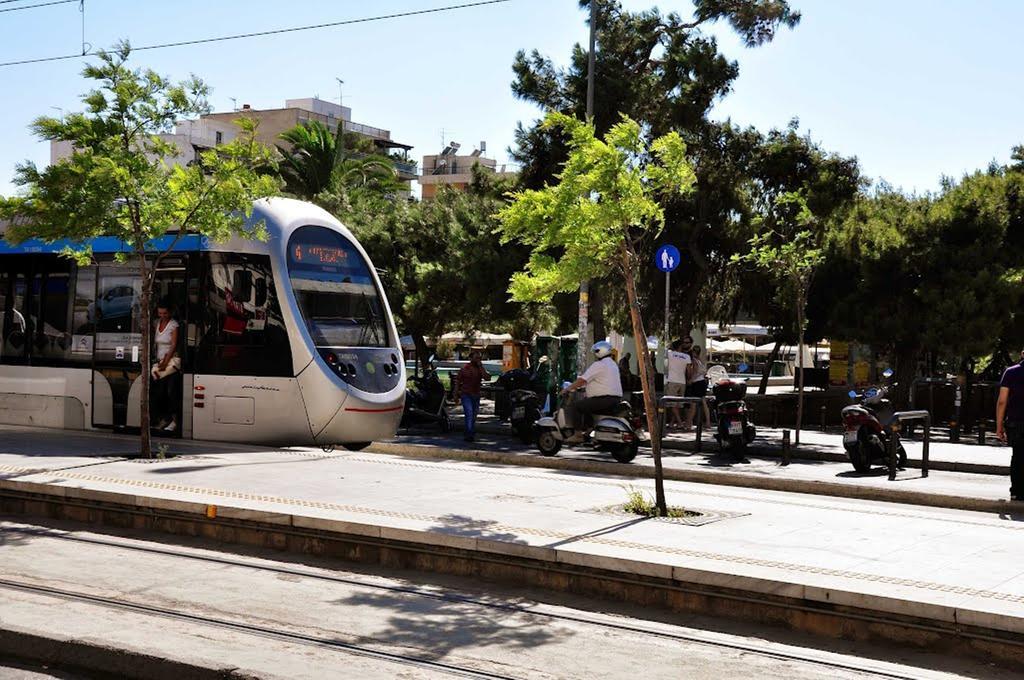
(341, 96)
(234, 103)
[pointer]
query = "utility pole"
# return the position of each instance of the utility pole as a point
(583, 330)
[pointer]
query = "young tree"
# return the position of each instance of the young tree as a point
(589, 225)
(117, 182)
(790, 252)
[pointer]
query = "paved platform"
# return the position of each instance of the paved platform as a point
(963, 456)
(950, 568)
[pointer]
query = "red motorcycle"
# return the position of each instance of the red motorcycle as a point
(866, 428)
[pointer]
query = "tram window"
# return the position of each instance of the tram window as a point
(335, 290)
(81, 320)
(242, 334)
(18, 327)
(241, 285)
(50, 298)
(261, 292)
(5, 282)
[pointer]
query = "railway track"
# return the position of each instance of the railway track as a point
(822, 660)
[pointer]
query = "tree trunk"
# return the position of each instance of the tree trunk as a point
(145, 361)
(906, 371)
(646, 375)
(422, 351)
(597, 311)
(800, 368)
(767, 370)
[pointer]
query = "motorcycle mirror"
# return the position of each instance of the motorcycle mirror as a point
(887, 373)
(852, 394)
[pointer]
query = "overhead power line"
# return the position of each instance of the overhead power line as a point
(36, 6)
(258, 34)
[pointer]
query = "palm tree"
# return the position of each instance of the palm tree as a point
(318, 161)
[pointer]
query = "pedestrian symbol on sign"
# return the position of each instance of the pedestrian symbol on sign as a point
(667, 258)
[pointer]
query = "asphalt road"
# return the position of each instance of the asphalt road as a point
(258, 614)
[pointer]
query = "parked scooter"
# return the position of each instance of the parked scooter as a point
(865, 428)
(618, 433)
(735, 429)
(524, 404)
(425, 400)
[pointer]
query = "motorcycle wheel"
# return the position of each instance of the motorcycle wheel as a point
(860, 456)
(446, 422)
(625, 453)
(547, 443)
(901, 456)
(525, 432)
(738, 449)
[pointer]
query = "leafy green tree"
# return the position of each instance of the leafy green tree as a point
(789, 251)
(589, 224)
(666, 72)
(937, 274)
(316, 162)
(445, 266)
(118, 183)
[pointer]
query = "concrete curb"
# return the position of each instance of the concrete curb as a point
(774, 450)
(724, 478)
(73, 654)
(817, 609)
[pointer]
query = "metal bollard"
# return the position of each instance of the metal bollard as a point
(787, 453)
(891, 451)
(823, 419)
(981, 433)
(954, 431)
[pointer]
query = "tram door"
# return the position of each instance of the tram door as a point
(117, 322)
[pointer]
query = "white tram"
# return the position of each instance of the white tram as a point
(288, 341)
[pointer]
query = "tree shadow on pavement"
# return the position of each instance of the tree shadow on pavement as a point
(461, 525)
(437, 627)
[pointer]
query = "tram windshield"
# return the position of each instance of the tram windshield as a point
(335, 290)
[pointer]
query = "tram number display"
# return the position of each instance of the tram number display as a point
(319, 255)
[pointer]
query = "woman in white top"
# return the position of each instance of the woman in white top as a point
(165, 339)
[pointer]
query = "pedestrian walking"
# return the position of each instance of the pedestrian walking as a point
(677, 376)
(469, 379)
(1010, 423)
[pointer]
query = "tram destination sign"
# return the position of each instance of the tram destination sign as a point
(317, 254)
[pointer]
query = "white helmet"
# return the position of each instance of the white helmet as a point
(602, 349)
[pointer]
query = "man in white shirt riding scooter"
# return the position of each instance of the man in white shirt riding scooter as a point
(604, 391)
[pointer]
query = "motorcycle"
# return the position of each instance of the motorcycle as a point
(618, 432)
(524, 404)
(865, 428)
(735, 429)
(425, 400)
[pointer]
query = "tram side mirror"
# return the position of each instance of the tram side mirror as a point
(852, 394)
(887, 373)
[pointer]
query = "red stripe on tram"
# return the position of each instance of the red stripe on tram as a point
(375, 410)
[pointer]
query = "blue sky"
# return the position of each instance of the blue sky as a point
(916, 89)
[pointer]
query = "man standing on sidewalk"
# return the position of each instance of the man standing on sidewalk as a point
(1010, 423)
(469, 378)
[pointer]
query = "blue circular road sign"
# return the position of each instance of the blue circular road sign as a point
(667, 258)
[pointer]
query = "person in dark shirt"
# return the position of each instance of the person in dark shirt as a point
(1010, 423)
(469, 381)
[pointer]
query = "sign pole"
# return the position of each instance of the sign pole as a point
(668, 278)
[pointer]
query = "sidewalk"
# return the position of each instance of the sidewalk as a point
(952, 573)
(991, 459)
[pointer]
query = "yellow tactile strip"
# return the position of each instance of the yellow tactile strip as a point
(548, 533)
(395, 459)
